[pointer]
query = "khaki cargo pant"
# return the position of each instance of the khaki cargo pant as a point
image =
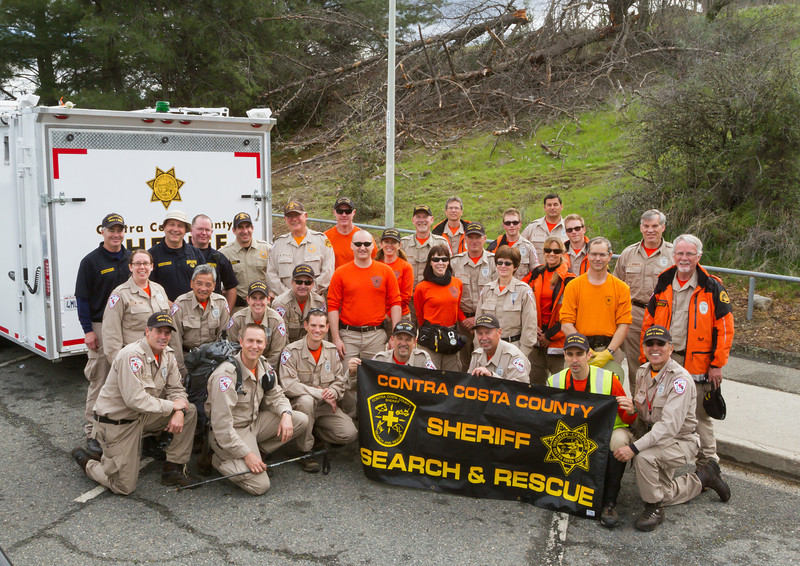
(335, 427)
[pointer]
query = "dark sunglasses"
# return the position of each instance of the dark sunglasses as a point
(300, 282)
(573, 229)
(510, 222)
(651, 343)
(552, 251)
(440, 259)
(502, 262)
(344, 211)
(362, 244)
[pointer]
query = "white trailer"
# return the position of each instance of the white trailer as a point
(63, 169)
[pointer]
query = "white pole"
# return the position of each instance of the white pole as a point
(390, 86)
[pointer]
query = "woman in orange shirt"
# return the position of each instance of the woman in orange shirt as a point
(548, 282)
(437, 302)
(392, 254)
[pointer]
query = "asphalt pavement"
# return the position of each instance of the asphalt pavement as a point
(50, 512)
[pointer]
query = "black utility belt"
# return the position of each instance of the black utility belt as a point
(359, 328)
(640, 304)
(106, 420)
(598, 342)
(513, 338)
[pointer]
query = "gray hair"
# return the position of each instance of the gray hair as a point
(454, 199)
(599, 240)
(205, 269)
(653, 213)
(690, 239)
(199, 216)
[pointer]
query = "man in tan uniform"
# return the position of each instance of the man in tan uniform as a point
(528, 256)
(551, 224)
(257, 312)
(143, 393)
(475, 267)
(577, 244)
(300, 245)
(403, 350)
(294, 303)
(200, 315)
(495, 357)
(665, 403)
(246, 419)
(418, 245)
(248, 256)
(313, 378)
(639, 265)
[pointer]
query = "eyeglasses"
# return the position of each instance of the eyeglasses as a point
(440, 259)
(362, 244)
(344, 211)
(598, 255)
(501, 262)
(511, 222)
(573, 229)
(552, 251)
(141, 264)
(685, 254)
(306, 282)
(651, 343)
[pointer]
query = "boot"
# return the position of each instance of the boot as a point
(651, 517)
(310, 464)
(710, 478)
(94, 449)
(152, 449)
(203, 463)
(82, 457)
(613, 482)
(175, 474)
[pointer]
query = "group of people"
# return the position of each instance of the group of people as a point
(537, 305)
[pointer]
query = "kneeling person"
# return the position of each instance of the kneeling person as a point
(242, 423)
(580, 376)
(313, 377)
(495, 357)
(143, 393)
(403, 350)
(665, 403)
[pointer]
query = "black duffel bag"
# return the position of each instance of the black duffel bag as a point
(440, 339)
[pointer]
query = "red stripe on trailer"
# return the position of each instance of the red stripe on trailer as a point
(66, 151)
(73, 342)
(40, 347)
(258, 160)
(4, 329)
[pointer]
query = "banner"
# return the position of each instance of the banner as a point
(484, 437)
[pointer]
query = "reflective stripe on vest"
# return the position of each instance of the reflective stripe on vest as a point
(600, 382)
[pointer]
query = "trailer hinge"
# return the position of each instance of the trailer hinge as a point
(60, 199)
(257, 197)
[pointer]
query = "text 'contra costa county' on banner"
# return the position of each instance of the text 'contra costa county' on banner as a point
(484, 437)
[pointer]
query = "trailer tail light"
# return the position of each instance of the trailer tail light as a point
(185, 122)
(61, 116)
(148, 120)
(166, 121)
(256, 125)
(47, 278)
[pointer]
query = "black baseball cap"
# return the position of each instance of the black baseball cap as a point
(241, 217)
(258, 287)
(487, 321)
(404, 327)
(422, 208)
(657, 332)
(302, 269)
(475, 228)
(577, 340)
(347, 201)
(391, 234)
(159, 319)
(112, 219)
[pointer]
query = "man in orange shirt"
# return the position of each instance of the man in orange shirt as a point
(341, 235)
(360, 296)
(598, 305)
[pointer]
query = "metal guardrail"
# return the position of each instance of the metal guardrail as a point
(752, 275)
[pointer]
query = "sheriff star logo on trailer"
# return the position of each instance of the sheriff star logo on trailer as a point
(165, 186)
(569, 447)
(390, 415)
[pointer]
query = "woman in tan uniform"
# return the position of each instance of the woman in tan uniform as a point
(511, 301)
(131, 304)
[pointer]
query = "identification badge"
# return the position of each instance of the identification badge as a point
(663, 261)
(164, 372)
(485, 271)
(499, 371)
(327, 366)
(215, 312)
(660, 389)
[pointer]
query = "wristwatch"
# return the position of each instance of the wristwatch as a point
(287, 412)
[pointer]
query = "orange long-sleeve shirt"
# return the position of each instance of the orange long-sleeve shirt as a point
(342, 251)
(363, 295)
(439, 304)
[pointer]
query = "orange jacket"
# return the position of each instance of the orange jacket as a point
(534, 279)
(584, 262)
(710, 333)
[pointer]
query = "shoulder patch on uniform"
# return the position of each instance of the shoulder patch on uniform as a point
(429, 364)
(281, 311)
(285, 356)
(174, 308)
(230, 323)
(530, 294)
(282, 329)
(113, 300)
(136, 363)
(328, 243)
(227, 308)
(519, 364)
(679, 385)
(224, 383)
(661, 303)
(723, 297)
